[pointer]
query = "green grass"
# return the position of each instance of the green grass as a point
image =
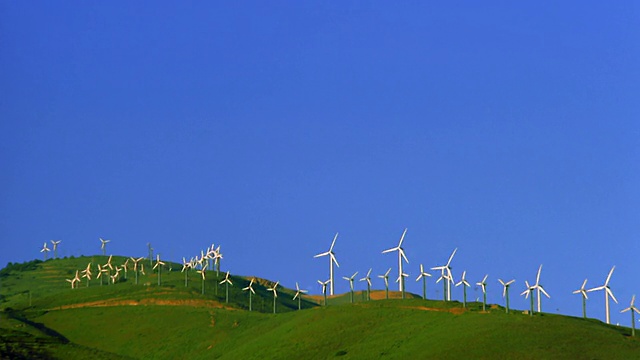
(191, 328)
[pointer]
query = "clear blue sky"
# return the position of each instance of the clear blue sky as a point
(509, 131)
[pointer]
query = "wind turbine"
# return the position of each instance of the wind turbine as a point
(158, 265)
(539, 288)
(202, 272)
(448, 277)
(108, 265)
(75, 280)
(45, 250)
(400, 279)
(423, 275)
(135, 266)
(114, 277)
(101, 271)
(368, 280)
(226, 281)
(218, 258)
(582, 291)
(297, 295)
(401, 255)
(528, 291)
(332, 259)
(55, 247)
(465, 284)
(324, 289)
(86, 273)
(505, 290)
(150, 254)
(607, 293)
(386, 282)
(250, 289)
(185, 266)
(445, 280)
(275, 294)
(103, 246)
(125, 267)
(483, 284)
(632, 308)
(350, 280)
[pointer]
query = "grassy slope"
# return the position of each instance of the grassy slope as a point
(202, 329)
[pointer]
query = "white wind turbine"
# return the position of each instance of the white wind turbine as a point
(368, 280)
(101, 270)
(108, 265)
(582, 291)
(103, 245)
(332, 259)
(114, 277)
(86, 273)
(76, 279)
(275, 294)
(465, 284)
(386, 282)
(607, 293)
(633, 309)
(226, 281)
(539, 289)
(218, 258)
(529, 291)
(135, 266)
(324, 289)
(55, 247)
(45, 250)
(401, 255)
(423, 275)
(185, 266)
(400, 279)
(505, 291)
(446, 275)
(350, 280)
(159, 264)
(297, 295)
(125, 268)
(250, 289)
(202, 272)
(483, 285)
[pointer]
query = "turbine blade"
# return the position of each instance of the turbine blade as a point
(333, 242)
(321, 254)
(402, 237)
(609, 276)
(611, 294)
(451, 257)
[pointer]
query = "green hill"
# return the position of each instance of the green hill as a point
(173, 321)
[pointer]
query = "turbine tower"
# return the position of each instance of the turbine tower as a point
(250, 289)
(386, 282)
(505, 291)
(55, 247)
(350, 280)
(465, 284)
(400, 279)
(447, 277)
(297, 295)
(539, 289)
(528, 291)
(226, 281)
(483, 285)
(324, 289)
(401, 255)
(203, 274)
(135, 266)
(275, 294)
(332, 259)
(423, 275)
(607, 293)
(633, 309)
(582, 291)
(45, 250)
(103, 246)
(368, 280)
